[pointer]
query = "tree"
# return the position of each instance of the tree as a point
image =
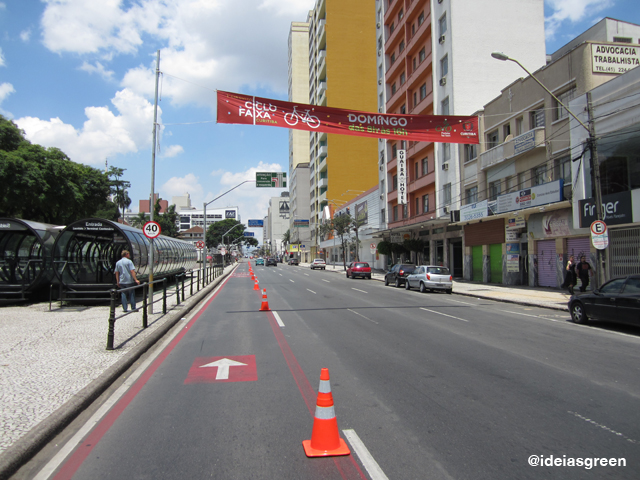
(342, 227)
(217, 229)
(414, 245)
(168, 220)
(139, 220)
(119, 188)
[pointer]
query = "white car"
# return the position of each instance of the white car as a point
(430, 277)
(318, 263)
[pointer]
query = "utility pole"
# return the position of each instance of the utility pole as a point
(153, 182)
(600, 271)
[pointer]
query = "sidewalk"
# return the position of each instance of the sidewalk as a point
(523, 295)
(53, 364)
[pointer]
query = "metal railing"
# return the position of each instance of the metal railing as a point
(205, 276)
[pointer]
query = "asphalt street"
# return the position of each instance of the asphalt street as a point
(435, 386)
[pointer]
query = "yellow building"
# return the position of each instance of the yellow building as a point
(342, 74)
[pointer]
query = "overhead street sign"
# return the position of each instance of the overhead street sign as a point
(256, 223)
(249, 234)
(271, 179)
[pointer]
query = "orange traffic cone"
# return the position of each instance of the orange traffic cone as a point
(325, 439)
(255, 285)
(265, 305)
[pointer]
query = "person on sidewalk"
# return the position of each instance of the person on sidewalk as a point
(126, 277)
(584, 271)
(570, 277)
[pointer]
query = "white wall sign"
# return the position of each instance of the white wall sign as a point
(614, 58)
(531, 197)
(402, 177)
(474, 211)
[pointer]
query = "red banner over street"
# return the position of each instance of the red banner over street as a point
(248, 110)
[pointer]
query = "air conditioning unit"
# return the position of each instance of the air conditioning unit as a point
(455, 216)
(441, 40)
(381, 168)
(381, 196)
(380, 52)
(380, 82)
(378, 25)
(445, 166)
(443, 81)
(445, 209)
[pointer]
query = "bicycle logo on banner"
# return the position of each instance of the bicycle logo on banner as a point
(293, 118)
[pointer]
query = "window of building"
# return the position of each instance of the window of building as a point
(415, 99)
(494, 190)
(425, 203)
(395, 213)
(423, 91)
(512, 184)
(382, 186)
(539, 175)
(492, 139)
(395, 182)
(446, 194)
(415, 63)
(446, 152)
(403, 144)
(403, 109)
(536, 118)
(401, 14)
(444, 66)
(401, 46)
(421, 18)
(442, 24)
(506, 131)
(522, 180)
(422, 55)
(471, 194)
(394, 151)
(425, 165)
(470, 152)
(413, 29)
(393, 88)
(405, 211)
(403, 78)
(417, 170)
(563, 169)
(444, 106)
(392, 59)
(382, 215)
(392, 27)
(519, 126)
(621, 40)
(417, 211)
(565, 97)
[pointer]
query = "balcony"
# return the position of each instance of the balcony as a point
(322, 87)
(323, 151)
(321, 34)
(514, 148)
(322, 164)
(323, 182)
(322, 63)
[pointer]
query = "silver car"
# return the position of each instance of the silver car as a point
(429, 277)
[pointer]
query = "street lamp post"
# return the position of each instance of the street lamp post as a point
(225, 234)
(592, 145)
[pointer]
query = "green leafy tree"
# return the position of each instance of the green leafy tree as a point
(118, 188)
(342, 226)
(217, 229)
(108, 211)
(168, 220)
(414, 245)
(139, 220)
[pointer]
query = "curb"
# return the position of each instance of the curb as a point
(25, 448)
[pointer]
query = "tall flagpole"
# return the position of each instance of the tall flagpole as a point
(153, 181)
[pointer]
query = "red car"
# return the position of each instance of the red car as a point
(359, 269)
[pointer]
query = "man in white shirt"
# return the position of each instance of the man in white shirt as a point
(125, 277)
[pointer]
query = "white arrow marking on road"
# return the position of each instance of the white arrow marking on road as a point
(223, 367)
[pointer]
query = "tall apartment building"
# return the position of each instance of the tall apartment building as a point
(438, 62)
(342, 74)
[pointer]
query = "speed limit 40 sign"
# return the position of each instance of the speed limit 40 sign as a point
(151, 229)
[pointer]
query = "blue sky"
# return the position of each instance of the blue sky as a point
(79, 75)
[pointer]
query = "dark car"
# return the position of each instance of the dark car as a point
(398, 274)
(293, 261)
(617, 301)
(359, 269)
(271, 261)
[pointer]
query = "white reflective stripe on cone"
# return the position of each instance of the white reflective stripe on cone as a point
(325, 386)
(325, 413)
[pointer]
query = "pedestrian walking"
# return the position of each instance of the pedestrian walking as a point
(570, 275)
(584, 271)
(126, 277)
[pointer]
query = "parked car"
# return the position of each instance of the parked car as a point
(259, 261)
(430, 277)
(293, 261)
(617, 301)
(398, 274)
(271, 261)
(318, 263)
(359, 269)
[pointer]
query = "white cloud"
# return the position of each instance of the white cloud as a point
(6, 89)
(178, 186)
(103, 134)
(572, 11)
(2, 64)
(98, 68)
(25, 35)
(171, 151)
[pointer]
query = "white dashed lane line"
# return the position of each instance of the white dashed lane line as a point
(358, 290)
(444, 314)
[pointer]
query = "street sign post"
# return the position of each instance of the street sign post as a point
(599, 235)
(151, 230)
